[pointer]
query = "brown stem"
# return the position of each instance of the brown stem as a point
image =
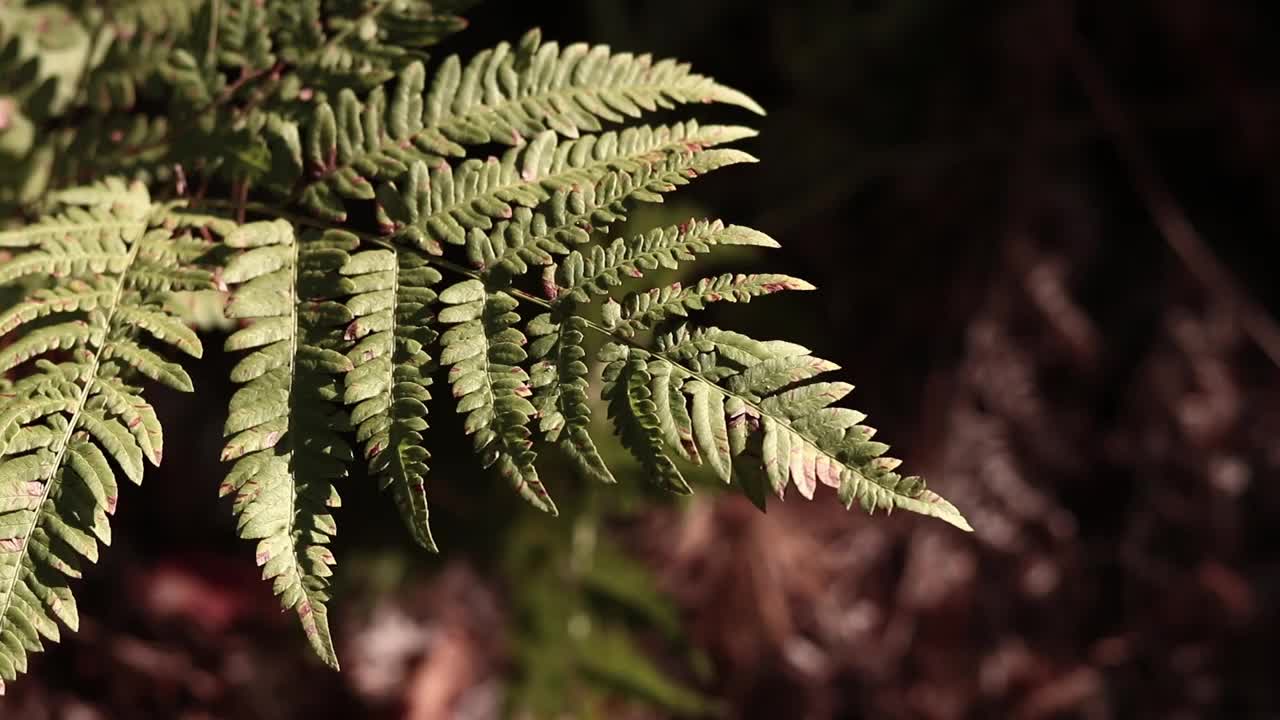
(1169, 217)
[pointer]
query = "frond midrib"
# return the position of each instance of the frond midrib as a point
(292, 434)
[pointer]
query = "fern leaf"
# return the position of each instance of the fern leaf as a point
(709, 427)
(356, 44)
(738, 386)
(391, 371)
(628, 390)
(601, 268)
(242, 38)
(346, 154)
(125, 61)
(334, 113)
(130, 410)
(163, 326)
(79, 245)
(674, 421)
(76, 296)
(587, 180)
(484, 350)
(153, 16)
(561, 391)
(130, 144)
(641, 311)
(507, 93)
(527, 239)
(64, 426)
(283, 423)
(503, 95)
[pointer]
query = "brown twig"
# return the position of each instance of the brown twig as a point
(1168, 215)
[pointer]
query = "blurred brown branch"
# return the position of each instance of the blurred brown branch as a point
(1168, 215)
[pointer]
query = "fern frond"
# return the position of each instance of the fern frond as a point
(742, 391)
(299, 30)
(643, 310)
(483, 350)
(78, 239)
(45, 48)
(125, 61)
(352, 144)
(393, 308)
(129, 44)
(244, 41)
(357, 44)
(503, 95)
(527, 239)
(573, 184)
(561, 390)
(283, 425)
(628, 388)
(602, 268)
(76, 296)
(158, 17)
(130, 145)
(63, 426)
(28, 98)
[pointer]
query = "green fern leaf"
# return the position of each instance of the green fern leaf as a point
(76, 296)
(484, 350)
(603, 267)
(581, 181)
(641, 311)
(283, 424)
(130, 144)
(348, 149)
(628, 390)
(154, 16)
(391, 371)
(124, 402)
(561, 390)
(243, 42)
(503, 95)
(64, 426)
(739, 385)
(333, 113)
(124, 63)
(674, 420)
(353, 44)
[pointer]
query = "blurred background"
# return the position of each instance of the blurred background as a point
(1044, 234)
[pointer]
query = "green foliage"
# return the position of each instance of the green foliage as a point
(99, 269)
(561, 397)
(367, 174)
(581, 604)
(283, 425)
(484, 352)
(392, 305)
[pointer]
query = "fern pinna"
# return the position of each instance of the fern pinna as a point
(380, 227)
(97, 271)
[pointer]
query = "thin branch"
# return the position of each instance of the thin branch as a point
(1169, 217)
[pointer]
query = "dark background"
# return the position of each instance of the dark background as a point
(1044, 237)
